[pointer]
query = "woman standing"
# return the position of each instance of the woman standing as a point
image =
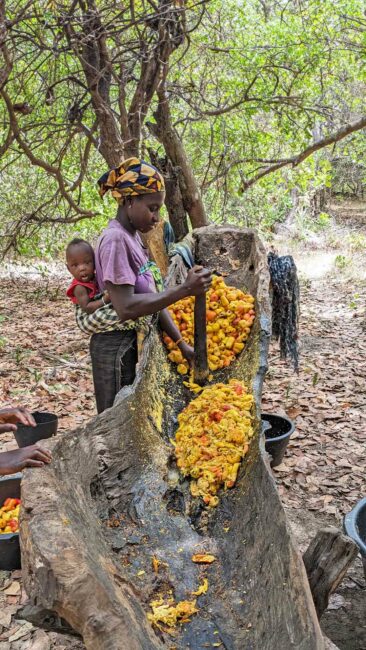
(123, 269)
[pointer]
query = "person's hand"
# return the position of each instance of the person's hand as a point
(106, 297)
(17, 459)
(198, 281)
(10, 416)
(187, 351)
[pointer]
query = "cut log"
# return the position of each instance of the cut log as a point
(326, 560)
(99, 578)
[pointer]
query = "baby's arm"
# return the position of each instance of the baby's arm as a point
(89, 306)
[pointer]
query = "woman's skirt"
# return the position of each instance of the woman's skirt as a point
(114, 358)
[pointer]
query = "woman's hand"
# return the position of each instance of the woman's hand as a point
(187, 351)
(9, 417)
(106, 297)
(17, 459)
(198, 281)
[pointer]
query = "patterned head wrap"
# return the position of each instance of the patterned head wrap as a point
(131, 178)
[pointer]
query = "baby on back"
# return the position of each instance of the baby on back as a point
(93, 310)
(83, 290)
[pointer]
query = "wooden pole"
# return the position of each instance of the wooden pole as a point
(201, 369)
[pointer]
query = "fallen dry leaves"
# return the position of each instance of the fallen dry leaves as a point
(44, 358)
(44, 365)
(323, 469)
(18, 634)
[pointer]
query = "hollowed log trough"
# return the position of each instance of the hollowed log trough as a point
(100, 579)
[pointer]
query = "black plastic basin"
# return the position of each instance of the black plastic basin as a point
(355, 527)
(277, 430)
(46, 427)
(9, 542)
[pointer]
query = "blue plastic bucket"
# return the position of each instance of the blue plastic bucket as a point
(354, 525)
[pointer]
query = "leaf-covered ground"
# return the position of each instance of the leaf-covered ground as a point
(45, 365)
(324, 467)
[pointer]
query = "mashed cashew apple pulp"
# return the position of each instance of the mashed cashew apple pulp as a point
(212, 438)
(229, 315)
(9, 516)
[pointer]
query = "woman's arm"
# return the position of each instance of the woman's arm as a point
(169, 327)
(131, 305)
(89, 306)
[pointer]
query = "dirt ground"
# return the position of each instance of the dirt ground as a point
(44, 365)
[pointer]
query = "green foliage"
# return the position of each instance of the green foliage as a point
(341, 261)
(356, 241)
(298, 83)
(323, 220)
(260, 207)
(257, 84)
(355, 301)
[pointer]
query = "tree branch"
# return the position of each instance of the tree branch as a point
(6, 67)
(343, 132)
(50, 169)
(7, 142)
(168, 24)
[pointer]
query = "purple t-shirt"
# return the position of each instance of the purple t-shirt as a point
(118, 258)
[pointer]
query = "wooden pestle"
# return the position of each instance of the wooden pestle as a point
(200, 367)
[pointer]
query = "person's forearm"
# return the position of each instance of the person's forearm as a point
(83, 300)
(168, 326)
(93, 305)
(143, 304)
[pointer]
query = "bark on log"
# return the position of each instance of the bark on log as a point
(326, 560)
(45, 619)
(99, 578)
(329, 645)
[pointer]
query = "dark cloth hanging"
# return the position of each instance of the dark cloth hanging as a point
(285, 305)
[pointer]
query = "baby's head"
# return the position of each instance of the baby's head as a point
(80, 260)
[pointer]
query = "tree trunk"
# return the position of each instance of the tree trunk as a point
(5, 60)
(97, 66)
(165, 132)
(173, 198)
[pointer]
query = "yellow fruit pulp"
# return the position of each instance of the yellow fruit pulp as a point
(229, 315)
(213, 436)
(167, 612)
(9, 515)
